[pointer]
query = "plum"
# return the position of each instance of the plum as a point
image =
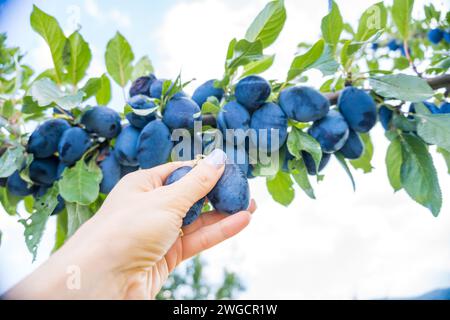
(44, 140)
(60, 170)
(375, 46)
(3, 182)
(19, 187)
(234, 116)
(124, 170)
(125, 148)
(358, 108)
(231, 194)
(447, 36)
(206, 90)
(142, 85)
(154, 145)
(429, 105)
(73, 144)
(252, 92)
(445, 107)
(103, 121)
(237, 155)
(393, 45)
(385, 114)
(435, 35)
(304, 104)
(311, 165)
(181, 113)
(195, 211)
(354, 147)
(41, 191)
(331, 132)
(44, 171)
(141, 104)
(269, 117)
(185, 148)
(111, 171)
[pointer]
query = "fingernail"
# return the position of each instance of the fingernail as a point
(217, 158)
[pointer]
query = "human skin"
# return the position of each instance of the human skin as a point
(129, 248)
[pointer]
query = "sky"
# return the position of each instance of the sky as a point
(366, 244)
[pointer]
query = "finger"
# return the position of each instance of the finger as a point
(199, 181)
(214, 234)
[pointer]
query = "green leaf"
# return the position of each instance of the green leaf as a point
(211, 106)
(372, 20)
(418, 174)
(394, 160)
(9, 201)
(80, 184)
(245, 52)
(402, 87)
(80, 57)
(300, 175)
(119, 58)
(299, 141)
(343, 163)
(7, 109)
(332, 25)
(259, 66)
(305, 61)
(11, 161)
(401, 14)
(61, 230)
(446, 155)
(45, 92)
(434, 129)
(35, 224)
(142, 68)
(280, 188)
(76, 215)
(91, 87)
(29, 106)
(326, 63)
(48, 28)
(364, 162)
(103, 95)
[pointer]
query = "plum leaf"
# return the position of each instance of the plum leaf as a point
(343, 162)
(434, 128)
(45, 92)
(103, 95)
(364, 162)
(11, 161)
(118, 58)
(300, 141)
(305, 61)
(446, 155)
(332, 25)
(394, 160)
(79, 57)
(259, 66)
(372, 20)
(142, 68)
(77, 214)
(401, 14)
(61, 230)
(402, 87)
(418, 174)
(245, 52)
(9, 201)
(91, 87)
(300, 175)
(280, 188)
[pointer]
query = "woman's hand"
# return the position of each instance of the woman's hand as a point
(128, 249)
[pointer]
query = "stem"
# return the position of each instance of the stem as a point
(408, 56)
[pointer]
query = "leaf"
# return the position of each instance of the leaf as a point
(29, 106)
(402, 87)
(364, 162)
(35, 224)
(7, 109)
(91, 87)
(280, 188)
(300, 175)
(61, 230)
(332, 25)
(9, 201)
(45, 92)
(343, 163)
(418, 174)
(299, 141)
(401, 14)
(326, 63)
(259, 66)
(80, 57)
(142, 68)
(446, 156)
(245, 52)
(76, 215)
(212, 106)
(80, 184)
(304, 62)
(394, 160)
(372, 20)
(103, 95)
(48, 28)
(268, 24)
(11, 161)
(434, 129)
(118, 59)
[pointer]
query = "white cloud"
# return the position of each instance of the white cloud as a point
(119, 18)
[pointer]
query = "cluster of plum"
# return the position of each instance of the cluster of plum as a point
(436, 35)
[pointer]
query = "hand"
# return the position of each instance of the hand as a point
(129, 248)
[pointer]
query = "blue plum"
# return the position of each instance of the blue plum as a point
(331, 132)
(125, 148)
(354, 147)
(393, 45)
(44, 171)
(375, 46)
(270, 117)
(195, 211)
(385, 114)
(304, 104)
(142, 85)
(252, 92)
(445, 107)
(181, 113)
(103, 121)
(237, 155)
(41, 191)
(60, 170)
(73, 144)
(145, 111)
(447, 36)
(111, 171)
(17, 186)
(234, 116)
(435, 35)
(429, 105)
(124, 170)
(206, 90)
(154, 145)
(44, 140)
(231, 194)
(311, 165)
(358, 108)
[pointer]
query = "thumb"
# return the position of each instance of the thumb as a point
(200, 180)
